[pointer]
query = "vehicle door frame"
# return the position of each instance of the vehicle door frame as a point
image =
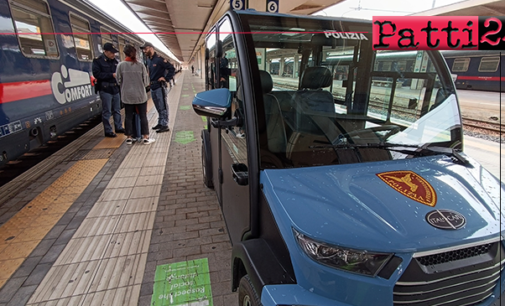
(241, 42)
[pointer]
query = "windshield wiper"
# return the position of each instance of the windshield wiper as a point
(397, 147)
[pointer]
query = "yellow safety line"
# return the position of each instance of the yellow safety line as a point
(24, 231)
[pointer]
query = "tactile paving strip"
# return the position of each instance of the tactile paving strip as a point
(99, 154)
(104, 262)
(22, 233)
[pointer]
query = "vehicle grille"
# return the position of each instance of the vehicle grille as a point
(455, 278)
(454, 255)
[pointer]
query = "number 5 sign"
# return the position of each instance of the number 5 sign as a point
(238, 4)
(273, 6)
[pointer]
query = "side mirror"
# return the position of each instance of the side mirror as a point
(212, 103)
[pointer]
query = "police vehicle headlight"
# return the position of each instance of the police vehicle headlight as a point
(356, 261)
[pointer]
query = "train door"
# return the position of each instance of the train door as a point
(121, 44)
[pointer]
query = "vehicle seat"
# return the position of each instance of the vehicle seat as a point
(276, 131)
(312, 120)
(312, 100)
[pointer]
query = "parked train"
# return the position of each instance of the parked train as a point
(46, 53)
(478, 70)
(473, 70)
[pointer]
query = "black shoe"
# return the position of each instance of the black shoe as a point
(157, 127)
(121, 131)
(163, 129)
(110, 135)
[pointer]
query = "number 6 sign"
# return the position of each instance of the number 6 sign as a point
(273, 6)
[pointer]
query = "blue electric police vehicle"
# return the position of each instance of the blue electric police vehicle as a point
(340, 171)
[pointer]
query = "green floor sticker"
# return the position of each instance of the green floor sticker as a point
(185, 96)
(184, 137)
(182, 283)
(185, 107)
(204, 118)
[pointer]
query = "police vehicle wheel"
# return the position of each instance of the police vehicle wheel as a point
(206, 160)
(247, 295)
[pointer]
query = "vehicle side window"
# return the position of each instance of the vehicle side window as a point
(31, 18)
(229, 77)
(82, 41)
(489, 64)
(460, 64)
(210, 63)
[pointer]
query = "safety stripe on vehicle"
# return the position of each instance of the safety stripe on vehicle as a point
(24, 90)
(480, 78)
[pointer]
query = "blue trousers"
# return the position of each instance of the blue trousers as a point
(111, 105)
(159, 96)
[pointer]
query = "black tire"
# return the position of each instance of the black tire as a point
(247, 295)
(206, 160)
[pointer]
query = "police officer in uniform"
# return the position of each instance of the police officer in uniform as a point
(160, 71)
(104, 70)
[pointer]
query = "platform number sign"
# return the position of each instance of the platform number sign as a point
(273, 6)
(238, 4)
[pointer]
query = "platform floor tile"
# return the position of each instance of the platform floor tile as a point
(104, 262)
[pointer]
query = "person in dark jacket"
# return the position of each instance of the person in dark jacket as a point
(160, 71)
(104, 70)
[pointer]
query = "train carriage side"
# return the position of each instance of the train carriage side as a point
(46, 83)
(476, 70)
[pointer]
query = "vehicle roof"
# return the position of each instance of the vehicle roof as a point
(257, 13)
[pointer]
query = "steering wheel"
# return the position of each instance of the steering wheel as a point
(392, 128)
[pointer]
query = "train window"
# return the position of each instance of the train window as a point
(82, 41)
(106, 37)
(31, 19)
(460, 64)
(489, 64)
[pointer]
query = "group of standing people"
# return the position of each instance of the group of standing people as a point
(129, 82)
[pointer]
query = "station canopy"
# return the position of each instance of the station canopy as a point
(180, 24)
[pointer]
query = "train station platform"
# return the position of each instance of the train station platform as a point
(106, 223)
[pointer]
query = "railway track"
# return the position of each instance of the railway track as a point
(28, 160)
(483, 125)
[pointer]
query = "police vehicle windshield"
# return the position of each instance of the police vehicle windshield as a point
(328, 98)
